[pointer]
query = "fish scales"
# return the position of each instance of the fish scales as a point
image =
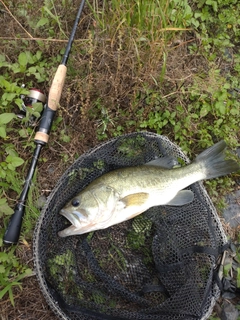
(152, 179)
(124, 193)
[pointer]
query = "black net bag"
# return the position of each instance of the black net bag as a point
(159, 265)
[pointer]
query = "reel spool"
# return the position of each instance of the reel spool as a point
(34, 96)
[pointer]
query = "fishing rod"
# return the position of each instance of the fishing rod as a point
(12, 233)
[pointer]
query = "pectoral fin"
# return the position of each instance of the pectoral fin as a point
(135, 199)
(183, 197)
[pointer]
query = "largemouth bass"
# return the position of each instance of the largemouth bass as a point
(122, 194)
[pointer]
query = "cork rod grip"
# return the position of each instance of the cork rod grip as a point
(54, 96)
(41, 137)
(57, 87)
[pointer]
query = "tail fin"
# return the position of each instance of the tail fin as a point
(214, 162)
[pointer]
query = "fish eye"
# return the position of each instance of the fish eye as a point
(75, 202)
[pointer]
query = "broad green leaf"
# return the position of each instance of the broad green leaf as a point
(23, 59)
(2, 58)
(6, 117)
(2, 173)
(219, 122)
(42, 22)
(5, 210)
(28, 272)
(3, 201)
(3, 256)
(204, 111)
(10, 167)
(37, 107)
(9, 150)
(2, 268)
(19, 102)
(234, 112)
(31, 70)
(4, 83)
(23, 133)
(3, 132)
(38, 54)
(17, 68)
(9, 96)
(14, 161)
(220, 105)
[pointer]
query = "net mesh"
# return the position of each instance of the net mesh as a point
(159, 265)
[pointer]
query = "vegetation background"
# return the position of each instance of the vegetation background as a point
(167, 66)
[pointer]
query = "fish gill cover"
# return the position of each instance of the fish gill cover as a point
(160, 265)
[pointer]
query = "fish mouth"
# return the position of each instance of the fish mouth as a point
(75, 217)
(69, 216)
(72, 229)
(68, 231)
(79, 223)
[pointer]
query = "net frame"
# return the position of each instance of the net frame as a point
(138, 148)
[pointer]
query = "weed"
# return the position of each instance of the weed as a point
(28, 67)
(29, 64)
(213, 317)
(9, 178)
(216, 22)
(49, 18)
(12, 271)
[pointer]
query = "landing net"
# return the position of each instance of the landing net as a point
(159, 265)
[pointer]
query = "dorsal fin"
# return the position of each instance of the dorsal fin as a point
(166, 162)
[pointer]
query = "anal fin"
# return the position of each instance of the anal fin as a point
(183, 197)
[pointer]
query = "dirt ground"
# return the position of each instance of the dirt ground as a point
(29, 302)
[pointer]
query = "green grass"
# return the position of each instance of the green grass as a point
(153, 19)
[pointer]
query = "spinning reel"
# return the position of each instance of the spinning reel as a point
(34, 96)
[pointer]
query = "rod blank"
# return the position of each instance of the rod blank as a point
(12, 233)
